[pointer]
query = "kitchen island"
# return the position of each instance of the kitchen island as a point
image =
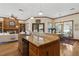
(39, 45)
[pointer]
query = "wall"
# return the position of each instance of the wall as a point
(1, 19)
(21, 21)
(43, 20)
(75, 19)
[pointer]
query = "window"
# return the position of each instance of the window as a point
(68, 29)
(65, 28)
(59, 28)
(50, 26)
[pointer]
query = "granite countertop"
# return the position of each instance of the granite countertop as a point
(41, 39)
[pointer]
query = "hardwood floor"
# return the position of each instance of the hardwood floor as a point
(9, 49)
(69, 50)
(65, 49)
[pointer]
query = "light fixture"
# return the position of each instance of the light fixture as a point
(40, 13)
(31, 17)
(21, 10)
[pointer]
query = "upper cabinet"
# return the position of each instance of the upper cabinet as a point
(0, 26)
(11, 23)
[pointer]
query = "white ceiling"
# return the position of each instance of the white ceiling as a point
(32, 9)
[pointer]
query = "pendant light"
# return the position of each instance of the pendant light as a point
(40, 13)
(31, 17)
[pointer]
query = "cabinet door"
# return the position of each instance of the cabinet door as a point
(0, 27)
(20, 47)
(33, 50)
(54, 49)
(43, 52)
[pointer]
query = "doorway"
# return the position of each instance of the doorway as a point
(38, 27)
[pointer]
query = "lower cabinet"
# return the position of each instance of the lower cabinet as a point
(23, 47)
(26, 48)
(50, 49)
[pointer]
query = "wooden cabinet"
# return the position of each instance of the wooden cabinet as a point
(1, 26)
(20, 46)
(23, 46)
(54, 49)
(10, 23)
(33, 50)
(50, 49)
